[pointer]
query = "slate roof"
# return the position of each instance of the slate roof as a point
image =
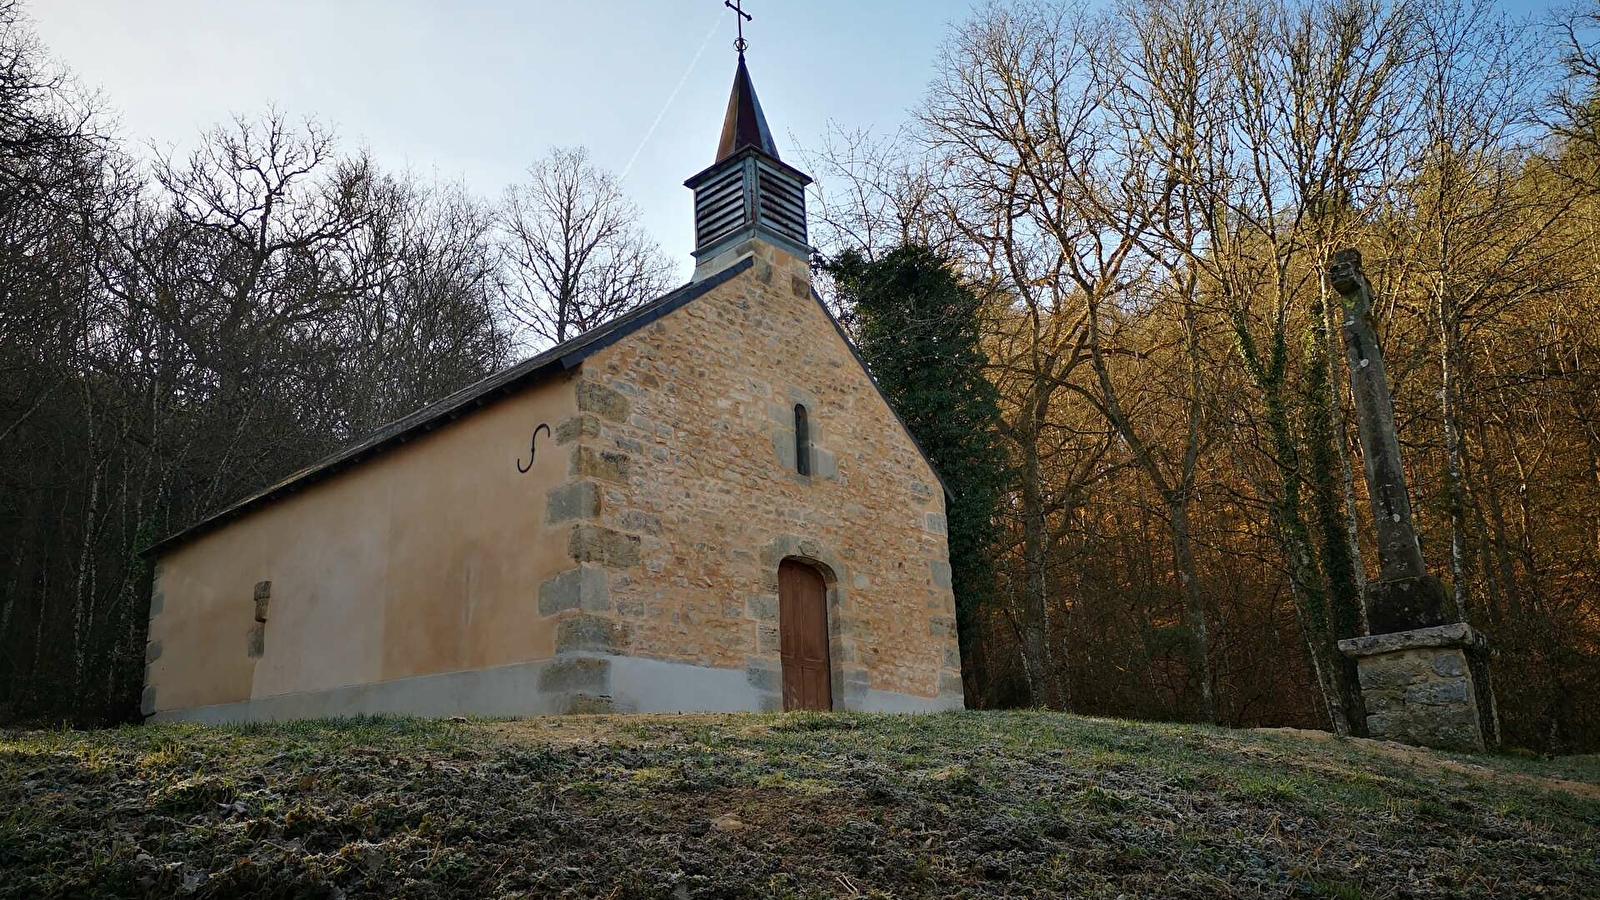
(745, 125)
(561, 358)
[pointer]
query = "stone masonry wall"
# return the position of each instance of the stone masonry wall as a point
(683, 498)
(1423, 696)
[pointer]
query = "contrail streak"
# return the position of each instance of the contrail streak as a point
(674, 96)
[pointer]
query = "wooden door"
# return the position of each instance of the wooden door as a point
(803, 633)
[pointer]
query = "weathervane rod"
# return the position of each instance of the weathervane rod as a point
(738, 7)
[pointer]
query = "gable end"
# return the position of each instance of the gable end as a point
(856, 355)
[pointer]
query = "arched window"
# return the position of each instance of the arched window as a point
(802, 440)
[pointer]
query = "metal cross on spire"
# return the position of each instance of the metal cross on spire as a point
(737, 6)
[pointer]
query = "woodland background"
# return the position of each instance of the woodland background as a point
(1141, 196)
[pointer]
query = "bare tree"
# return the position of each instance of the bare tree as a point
(1004, 119)
(876, 193)
(574, 254)
(1574, 113)
(428, 317)
(46, 120)
(1318, 109)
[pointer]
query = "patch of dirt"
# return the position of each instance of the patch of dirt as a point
(1427, 759)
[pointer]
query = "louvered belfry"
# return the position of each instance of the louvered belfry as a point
(749, 191)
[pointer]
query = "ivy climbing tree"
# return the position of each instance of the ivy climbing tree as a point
(917, 328)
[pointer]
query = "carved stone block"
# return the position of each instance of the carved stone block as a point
(588, 634)
(612, 549)
(605, 465)
(586, 675)
(577, 428)
(1429, 687)
(572, 502)
(604, 402)
(1406, 604)
(263, 597)
(585, 588)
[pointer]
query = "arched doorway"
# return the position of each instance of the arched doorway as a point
(803, 637)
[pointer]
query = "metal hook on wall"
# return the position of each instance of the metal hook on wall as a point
(533, 450)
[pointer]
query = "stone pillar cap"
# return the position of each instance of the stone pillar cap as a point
(1459, 634)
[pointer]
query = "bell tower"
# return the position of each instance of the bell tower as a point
(749, 193)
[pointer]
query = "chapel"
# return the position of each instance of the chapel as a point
(704, 505)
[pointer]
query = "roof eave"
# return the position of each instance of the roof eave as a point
(700, 177)
(561, 358)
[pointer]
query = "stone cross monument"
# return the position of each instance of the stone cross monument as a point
(1424, 673)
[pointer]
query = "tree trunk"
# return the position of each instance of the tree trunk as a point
(1324, 478)
(1035, 619)
(1455, 479)
(1341, 445)
(1194, 602)
(1310, 592)
(1176, 498)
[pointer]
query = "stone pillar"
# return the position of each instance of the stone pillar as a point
(1424, 673)
(1427, 686)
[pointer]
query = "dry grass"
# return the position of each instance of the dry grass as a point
(967, 805)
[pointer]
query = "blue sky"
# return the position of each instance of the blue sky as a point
(476, 89)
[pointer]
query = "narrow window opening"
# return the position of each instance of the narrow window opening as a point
(802, 441)
(258, 631)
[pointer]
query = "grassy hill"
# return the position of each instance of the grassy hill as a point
(967, 804)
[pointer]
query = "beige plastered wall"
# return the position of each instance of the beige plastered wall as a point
(424, 560)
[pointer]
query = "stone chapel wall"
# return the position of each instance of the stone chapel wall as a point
(687, 456)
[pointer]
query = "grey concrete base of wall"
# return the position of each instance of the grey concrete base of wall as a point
(1428, 687)
(569, 684)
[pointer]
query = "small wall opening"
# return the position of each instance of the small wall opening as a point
(257, 646)
(802, 440)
